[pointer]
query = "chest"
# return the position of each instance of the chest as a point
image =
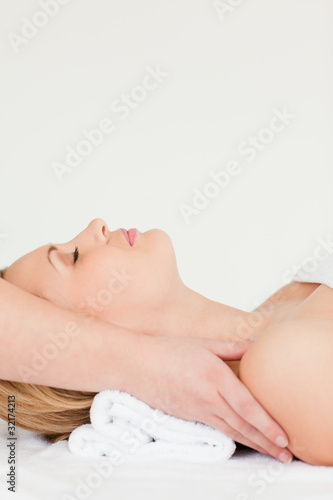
(293, 299)
(318, 305)
(296, 301)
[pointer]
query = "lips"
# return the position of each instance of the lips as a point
(132, 236)
(124, 232)
(129, 235)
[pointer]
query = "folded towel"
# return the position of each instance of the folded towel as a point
(120, 423)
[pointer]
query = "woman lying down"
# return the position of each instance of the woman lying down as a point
(133, 281)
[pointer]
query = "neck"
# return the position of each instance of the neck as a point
(190, 314)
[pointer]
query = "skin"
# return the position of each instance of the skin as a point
(289, 370)
(184, 377)
(151, 299)
(292, 361)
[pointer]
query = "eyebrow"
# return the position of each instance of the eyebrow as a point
(50, 249)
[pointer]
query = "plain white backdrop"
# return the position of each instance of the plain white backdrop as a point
(227, 70)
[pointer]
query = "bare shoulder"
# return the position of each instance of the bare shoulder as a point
(289, 371)
(292, 292)
(318, 305)
(289, 337)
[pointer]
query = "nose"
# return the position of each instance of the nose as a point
(99, 229)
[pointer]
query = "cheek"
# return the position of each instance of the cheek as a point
(103, 281)
(59, 294)
(152, 285)
(124, 282)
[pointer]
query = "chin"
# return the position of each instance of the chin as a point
(157, 233)
(159, 238)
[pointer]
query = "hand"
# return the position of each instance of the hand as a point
(186, 378)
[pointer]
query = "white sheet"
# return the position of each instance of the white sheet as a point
(52, 472)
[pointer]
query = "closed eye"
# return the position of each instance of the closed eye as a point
(76, 254)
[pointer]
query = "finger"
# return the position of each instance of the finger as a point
(222, 426)
(230, 350)
(234, 392)
(246, 431)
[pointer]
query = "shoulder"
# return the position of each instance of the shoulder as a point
(316, 307)
(291, 335)
(289, 371)
(294, 291)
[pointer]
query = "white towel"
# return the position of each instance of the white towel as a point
(122, 424)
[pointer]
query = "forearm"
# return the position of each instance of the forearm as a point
(44, 344)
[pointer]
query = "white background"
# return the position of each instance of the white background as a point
(226, 74)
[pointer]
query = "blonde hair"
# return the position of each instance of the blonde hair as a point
(52, 412)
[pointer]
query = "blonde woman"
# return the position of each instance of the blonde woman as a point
(131, 281)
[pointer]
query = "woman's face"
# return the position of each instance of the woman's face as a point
(100, 273)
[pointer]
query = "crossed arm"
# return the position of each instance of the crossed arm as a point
(181, 376)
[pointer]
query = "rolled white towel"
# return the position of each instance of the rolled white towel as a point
(122, 423)
(88, 442)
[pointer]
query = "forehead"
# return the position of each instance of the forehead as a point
(27, 271)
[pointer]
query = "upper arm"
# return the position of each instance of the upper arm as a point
(289, 371)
